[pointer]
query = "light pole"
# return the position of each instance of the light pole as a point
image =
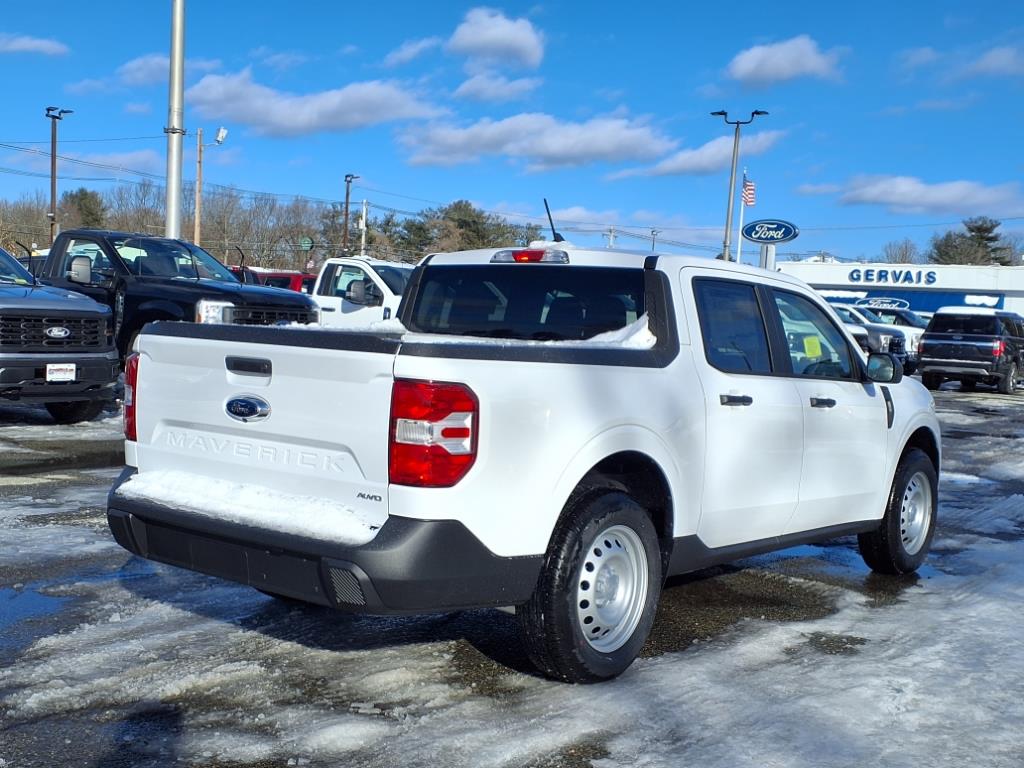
(55, 114)
(197, 225)
(726, 254)
(349, 178)
(654, 237)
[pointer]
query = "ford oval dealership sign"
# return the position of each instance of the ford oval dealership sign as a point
(770, 231)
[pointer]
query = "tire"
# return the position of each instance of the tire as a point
(595, 601)
(900, 544)
(968, 385)
(1008, 384)
(931, 380)
(69, 413)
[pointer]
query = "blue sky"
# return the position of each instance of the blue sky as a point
(887, 120)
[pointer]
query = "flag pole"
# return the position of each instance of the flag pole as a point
(739, 229)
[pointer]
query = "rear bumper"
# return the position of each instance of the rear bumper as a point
(411, 566)
(975, 369)
(23, 377)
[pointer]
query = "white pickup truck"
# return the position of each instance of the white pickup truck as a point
(354, 292)
(552, 428)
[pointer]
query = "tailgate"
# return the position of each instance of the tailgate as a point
(325, 433)
(955, 347)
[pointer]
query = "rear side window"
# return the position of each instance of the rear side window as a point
(543, 302)
(983, 325)
(735, 339)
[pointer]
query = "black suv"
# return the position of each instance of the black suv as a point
(144, 278)
(971, 345)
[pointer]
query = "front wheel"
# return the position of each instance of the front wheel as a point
(900, 544)
(931, 380)
(595, 601)
(69, 413)
(1008, 384)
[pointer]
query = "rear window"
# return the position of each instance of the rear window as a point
(983, 325)
(543, 302)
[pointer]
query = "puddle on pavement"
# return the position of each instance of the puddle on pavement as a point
(828, 643)
(21, 609)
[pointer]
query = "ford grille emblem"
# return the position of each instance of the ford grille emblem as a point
(58, 332)
(247, 408)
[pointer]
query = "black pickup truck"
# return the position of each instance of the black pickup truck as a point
(973, 345)
(143, 278)
(56, 347)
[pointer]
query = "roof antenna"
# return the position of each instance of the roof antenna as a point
(554, 235)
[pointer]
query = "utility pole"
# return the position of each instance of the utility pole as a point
(175, 129)
(197, 224)
(610, 234)
(349, 178)
(654, 237)
(726, 251)
(362, 229)
(55, 114)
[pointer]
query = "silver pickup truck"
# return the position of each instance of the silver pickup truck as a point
(56, 346)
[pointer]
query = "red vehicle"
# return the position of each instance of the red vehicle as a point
(291, 279)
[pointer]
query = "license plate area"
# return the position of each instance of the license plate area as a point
(61, 371)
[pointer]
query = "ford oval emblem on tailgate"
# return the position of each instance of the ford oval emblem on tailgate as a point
(247, 408)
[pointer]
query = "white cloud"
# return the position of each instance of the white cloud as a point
(285, 60)
(410, 50)
(89, 85)
(496, 88)
(997, 61)
(915, 58)
(491, 36)
(713, 156)
(137, 108)
(26, 44)
(278, 113)
(578, 214)
(790, 59)
(540, 139)
(155, 68)
(907, 194)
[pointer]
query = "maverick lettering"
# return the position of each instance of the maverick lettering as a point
(255, 452)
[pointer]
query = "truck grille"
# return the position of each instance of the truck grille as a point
(28, 333)
(271, 315)
(896, 345)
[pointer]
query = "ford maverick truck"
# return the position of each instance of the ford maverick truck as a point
(552, 428)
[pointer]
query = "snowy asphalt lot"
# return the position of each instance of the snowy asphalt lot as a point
(801, 658)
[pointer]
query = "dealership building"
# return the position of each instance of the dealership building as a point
(924, 287)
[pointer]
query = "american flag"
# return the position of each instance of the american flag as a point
(749, 196)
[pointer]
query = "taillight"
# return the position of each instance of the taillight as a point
(998, 348)
(131, 378)
(433, 433)
(531, 255)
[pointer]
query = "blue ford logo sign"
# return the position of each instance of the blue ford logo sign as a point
(58, 332)
(769, 231)
(247, 408)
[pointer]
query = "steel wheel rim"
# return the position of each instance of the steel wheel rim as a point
(611, 590)
(915, 513)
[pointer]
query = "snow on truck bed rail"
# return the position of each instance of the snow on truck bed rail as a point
(636, 335)
(254, 505)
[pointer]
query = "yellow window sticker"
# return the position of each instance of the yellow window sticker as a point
(812, 346)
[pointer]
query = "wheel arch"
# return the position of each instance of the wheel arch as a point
(924, 439)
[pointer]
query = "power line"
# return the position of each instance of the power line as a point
(85, 141)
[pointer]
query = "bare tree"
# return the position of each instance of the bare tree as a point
(901, 252)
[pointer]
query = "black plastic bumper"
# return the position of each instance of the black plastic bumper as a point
(23, 377)
(964, 368)
(411, 566)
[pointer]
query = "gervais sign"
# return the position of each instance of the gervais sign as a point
(893, 276)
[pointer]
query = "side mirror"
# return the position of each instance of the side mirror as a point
(884, 368)
(81, 270)
(374, 297)
(356, 292)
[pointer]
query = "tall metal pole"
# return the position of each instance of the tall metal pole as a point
(197, 225)
(349, 178)
(55, 114)
(175, 129)
(726, 251)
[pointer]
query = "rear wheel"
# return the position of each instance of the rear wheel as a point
(69, 413)
(931, 380)
(967, 385)
(595, 602)
(1008, 384)
(900, 544)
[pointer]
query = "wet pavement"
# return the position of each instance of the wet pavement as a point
(109, 660)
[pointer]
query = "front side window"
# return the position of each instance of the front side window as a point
(91, 250)
(735, 339)
(817, 348)
(338, 278)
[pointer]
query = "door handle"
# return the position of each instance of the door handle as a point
(326, 309)
(736, 399)
(822, 402)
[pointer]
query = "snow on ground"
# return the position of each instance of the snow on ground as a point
(931, 677)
